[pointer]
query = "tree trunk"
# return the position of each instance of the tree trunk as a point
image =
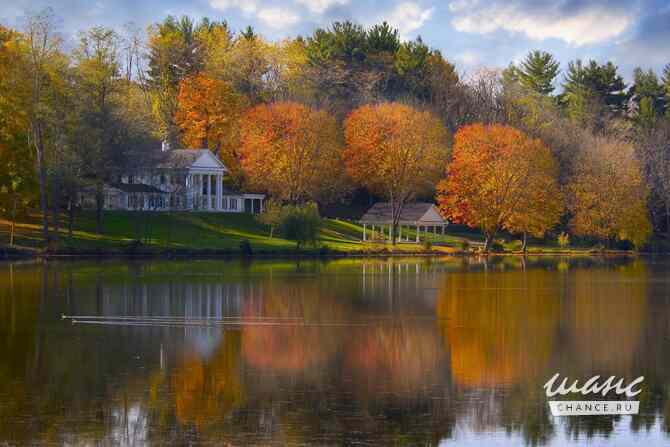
(13, 225)
(524, 247)
(54, 209)
(42, 174)
(487, 243)
(99, 203)
(70, 217)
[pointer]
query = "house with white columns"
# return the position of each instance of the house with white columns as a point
(182, 180)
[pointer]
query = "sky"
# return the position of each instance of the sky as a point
(470, 33)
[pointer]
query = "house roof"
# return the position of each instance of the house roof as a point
(137, 187)
(187, 158)
(422, 213)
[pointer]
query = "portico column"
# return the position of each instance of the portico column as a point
(219, 192)
(208, 180)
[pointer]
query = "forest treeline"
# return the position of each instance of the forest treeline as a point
(345, 111)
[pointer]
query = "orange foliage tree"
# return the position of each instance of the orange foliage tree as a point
(395, 151)
(499, 178)
(292, 152)
(208, 115)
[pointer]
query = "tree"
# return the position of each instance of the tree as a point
(395, 151)
(300, 223)
(96, 78)
(175, 53)
(593, 90)
(499, 178)
(654, 152)
(536, 72)
(271, 215)
(292, 152)
(648, 98)
(209, 115)
(608, 197)
(44, 65)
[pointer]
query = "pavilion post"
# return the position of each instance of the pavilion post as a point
(364, 237)
(418, 230)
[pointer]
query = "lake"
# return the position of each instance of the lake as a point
(401, 351)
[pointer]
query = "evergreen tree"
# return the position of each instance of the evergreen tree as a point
(538, 72)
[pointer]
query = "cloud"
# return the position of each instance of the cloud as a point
(469, 58)
(650, 44)
(575, 22)
(278, 18)
(408, 17)
(274, 17)
(246, 6)
(321, 6)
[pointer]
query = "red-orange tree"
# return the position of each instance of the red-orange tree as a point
(208, 115)
(395, 151)
(292, 152)
(499, 178)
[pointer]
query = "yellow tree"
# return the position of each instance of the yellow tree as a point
(292, 152)
(499, 178)
(608, 197)
(208, 115)
(395, 151)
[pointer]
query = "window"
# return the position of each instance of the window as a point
(162, 179)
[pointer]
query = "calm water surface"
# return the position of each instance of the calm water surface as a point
(344, 352)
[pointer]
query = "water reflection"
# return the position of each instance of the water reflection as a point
(399, 351)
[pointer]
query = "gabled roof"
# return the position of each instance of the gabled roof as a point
(190, 158)
(422, 213)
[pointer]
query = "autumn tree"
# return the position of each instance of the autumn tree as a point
(43, 64)
(209, 115)
(499, 178)
(608, 197)
(395, 151)
(292, 152)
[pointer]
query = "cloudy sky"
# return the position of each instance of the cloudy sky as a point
(470, 33)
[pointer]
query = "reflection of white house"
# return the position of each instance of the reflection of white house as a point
(184, 179)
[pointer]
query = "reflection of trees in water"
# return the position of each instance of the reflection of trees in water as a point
(393, 382)
(499, 328)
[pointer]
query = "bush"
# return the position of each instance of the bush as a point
(497, 247)
(300, 223)
(427, 244)
(563, 240)
(465, 245)
(245, 247)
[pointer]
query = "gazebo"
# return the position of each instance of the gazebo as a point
(420, 215)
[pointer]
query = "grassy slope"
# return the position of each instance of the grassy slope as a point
(199, 231)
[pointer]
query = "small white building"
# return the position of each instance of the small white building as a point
(183, 180)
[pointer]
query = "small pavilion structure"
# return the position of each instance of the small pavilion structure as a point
(421, 216)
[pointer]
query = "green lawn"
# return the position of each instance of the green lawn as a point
(197, 231)
(219, 232)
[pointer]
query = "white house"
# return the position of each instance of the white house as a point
(184, 180)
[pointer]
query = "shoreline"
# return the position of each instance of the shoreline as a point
(9, 254)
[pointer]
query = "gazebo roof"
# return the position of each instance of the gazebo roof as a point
(415, 213)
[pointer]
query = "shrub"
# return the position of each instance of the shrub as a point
(245, 247)
(300, 223)
(497, 247)
(465, 245)
(563, 239)
(427, 244)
